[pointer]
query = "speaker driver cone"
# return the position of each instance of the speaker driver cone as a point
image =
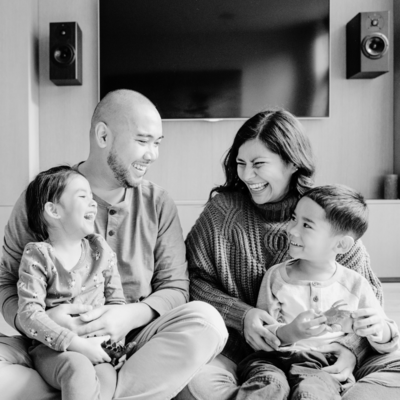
(375, 46)
(63, 55)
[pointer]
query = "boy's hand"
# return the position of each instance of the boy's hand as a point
(91, 348)
(368, 322)
(307, 324)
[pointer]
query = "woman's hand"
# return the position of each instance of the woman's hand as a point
(345, 363)
(368, 322)
(115, 320)
(91, 348)
(256, 335)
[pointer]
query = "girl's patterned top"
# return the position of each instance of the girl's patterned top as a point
(44, 283)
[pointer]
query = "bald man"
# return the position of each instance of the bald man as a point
(140, 223)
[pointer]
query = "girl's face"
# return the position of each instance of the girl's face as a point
(77, 210)
(265, 174)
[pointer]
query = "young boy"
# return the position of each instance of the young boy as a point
(70, 265)
(314, 299)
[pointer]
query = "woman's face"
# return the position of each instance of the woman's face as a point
(265, 174)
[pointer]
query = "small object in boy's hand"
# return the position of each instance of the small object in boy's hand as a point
(339, 320)
(117, 350)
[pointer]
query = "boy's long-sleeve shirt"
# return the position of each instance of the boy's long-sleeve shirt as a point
(44, 283)
(284, 298)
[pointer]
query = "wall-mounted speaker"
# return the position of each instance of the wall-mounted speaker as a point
(65, 53)
(367, 37)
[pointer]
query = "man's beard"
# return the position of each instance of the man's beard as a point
(121, 174)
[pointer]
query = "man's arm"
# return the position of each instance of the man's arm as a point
(170, 281)
(16, 236)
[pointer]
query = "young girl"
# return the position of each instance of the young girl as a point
(70, 264)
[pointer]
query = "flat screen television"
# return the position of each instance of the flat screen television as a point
(218, 59)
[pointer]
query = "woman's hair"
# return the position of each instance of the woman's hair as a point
(47, 186)
(282, 134)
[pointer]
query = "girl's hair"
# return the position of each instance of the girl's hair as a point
(282, 134)
(47, 186)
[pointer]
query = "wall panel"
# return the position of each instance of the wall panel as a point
(65, 111)
(19, 110)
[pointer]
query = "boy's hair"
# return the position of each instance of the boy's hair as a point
(345, 209)
(47, 186)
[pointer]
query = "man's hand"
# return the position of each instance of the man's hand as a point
(256, 335)
(115, 320)
(65, 315)
(345, 363)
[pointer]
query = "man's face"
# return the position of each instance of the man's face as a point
(135, 147)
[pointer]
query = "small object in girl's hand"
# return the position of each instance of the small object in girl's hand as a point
(117, 350)
(339, 320)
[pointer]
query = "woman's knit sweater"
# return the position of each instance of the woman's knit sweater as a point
(230, 247)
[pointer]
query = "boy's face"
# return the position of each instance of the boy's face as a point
(76, 208)
(311, 235)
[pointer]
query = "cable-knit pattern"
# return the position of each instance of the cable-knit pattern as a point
(229, 249)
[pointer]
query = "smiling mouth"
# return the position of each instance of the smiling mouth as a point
(295, 244)
(90, 216)
(257, 187)
(139, 167)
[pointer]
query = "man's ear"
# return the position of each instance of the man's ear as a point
(344, 244)
(51, 211)
(102, 134)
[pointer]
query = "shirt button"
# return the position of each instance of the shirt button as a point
(315, 299)
(111, 233)
(315, 283)
(112, 212)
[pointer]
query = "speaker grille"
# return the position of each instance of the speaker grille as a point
(375, 46)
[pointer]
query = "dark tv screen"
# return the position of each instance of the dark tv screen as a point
(217, 59)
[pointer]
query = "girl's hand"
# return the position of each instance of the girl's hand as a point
(256, 335)
(307, 324)
(370, 323)
(91, 348)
